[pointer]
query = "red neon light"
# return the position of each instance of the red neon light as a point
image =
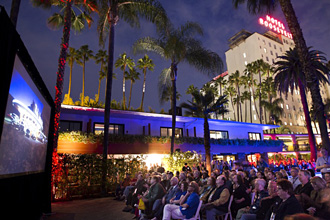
(274, 25)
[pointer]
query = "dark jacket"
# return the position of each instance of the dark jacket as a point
(265, 205)
(156, 191)
(255, 206)
(307, 189)
(171, 193)
(215, 198)
(288, 207)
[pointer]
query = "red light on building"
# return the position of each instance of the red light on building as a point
(274, 25)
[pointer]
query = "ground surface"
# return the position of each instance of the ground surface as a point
(89, 209)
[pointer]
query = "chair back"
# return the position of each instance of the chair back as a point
(230, 202)
(196, 216)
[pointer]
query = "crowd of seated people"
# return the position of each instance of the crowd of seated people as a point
(256, 193)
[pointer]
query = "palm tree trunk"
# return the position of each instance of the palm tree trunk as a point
(14, 11)
(70, 80)
(311, 137)
(173, 107)
(107, 105)
(130, 95)
(232, 104)
(245, 110)
(237, 107)
(83, 86)
(98, 92)
(207, 144)
(260, 108)
(312, 81)
(144, 87)
(250, 109)
(61, 69)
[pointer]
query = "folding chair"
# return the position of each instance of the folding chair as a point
(197, 217)
(225, 215)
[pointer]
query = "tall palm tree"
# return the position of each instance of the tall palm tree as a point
(71, 58)
(246, 95)
(111, 12)
(231, 92)
(84, 54)
(122, 62)
(145, 64)
(255, 6)
(203, 105)
(251, 83)
(289, 74)
(178, 45)
(235, 80)
(222, 82)
(101, 57)
(132, 75)
(68, 20)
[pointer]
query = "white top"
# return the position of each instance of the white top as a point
(321, 161)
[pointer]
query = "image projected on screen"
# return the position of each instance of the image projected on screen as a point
(24, 136)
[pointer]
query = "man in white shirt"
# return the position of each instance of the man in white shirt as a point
(294, 180)
(323, 163)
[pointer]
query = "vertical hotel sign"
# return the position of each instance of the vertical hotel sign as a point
(274, 25)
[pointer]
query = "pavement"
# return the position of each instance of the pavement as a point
(89, 209)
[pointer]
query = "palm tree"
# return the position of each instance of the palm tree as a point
(191, 89)
(235, 80)
(14, 11)
(231, 92)
(71, 58)
(122, 62)
(145, 64)
(255, 6)
(178, 45)
(203, 105)
(68, 20)
(222, 82)
(132, 75)
(101, 57)
(289, 75)
(110, 14)
(84, 54)
(246, 95)
(251, 82)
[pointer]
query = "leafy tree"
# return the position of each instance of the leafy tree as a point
(101, 57)
(180, 45)
(289, 75)
(132, 75)
(145, 64)
(203, 105)
(84, 54)
(111, 12)
(256, 6)
(122, 62)
(68, 19)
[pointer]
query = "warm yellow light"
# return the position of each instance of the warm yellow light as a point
(154, 159)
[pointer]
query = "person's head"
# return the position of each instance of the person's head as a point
(260, 175)
(182, 176)
(221, 180)
(140, 177)
(252, 173)
(284, 189)
(237, 179)
(284, 173)
(169, 175)
(184, 186)
(213, 174)
(189, 179)
(324, 152)
(154, 180)
(279, 175)
(174, 181)
(270, 175)
(266, 169)
(196, 174)
(260, 184)
(193, 187)
(327, 177)
(318, 183)
(304, 176)
(217, 172)
(272, 187)
(211, 181)
(177, 174)
(164, 176)
(294, 171)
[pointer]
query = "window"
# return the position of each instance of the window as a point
(271, 52)
(113, 128)
(244, 55)
(285, 123)
(291, 123)
(264, 42)
(270, 45)
(253, 108)
(265, 49)
(276, 54)
(273, 60)
(290, 116)
(274, 46)
(254, 136)
(66, 125)
(245, 63)
(294, 108)
(300, 109)
(284, 115)
(281, 105)
(255, 117)
(281, 49)
(301, 117)
(219, 134)
(296, 117)
(287, 106)
(267, 59)
(168, 132)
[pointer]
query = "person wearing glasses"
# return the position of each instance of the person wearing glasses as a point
(288, 205)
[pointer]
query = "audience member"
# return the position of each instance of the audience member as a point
(294, 177)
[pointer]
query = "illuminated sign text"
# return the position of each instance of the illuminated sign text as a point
(274, 25)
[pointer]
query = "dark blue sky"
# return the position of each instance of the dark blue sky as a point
(218, 18)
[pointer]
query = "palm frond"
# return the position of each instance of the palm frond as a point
(148, 44)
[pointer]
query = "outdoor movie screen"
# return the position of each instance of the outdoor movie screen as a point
(24, 138)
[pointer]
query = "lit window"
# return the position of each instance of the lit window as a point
(113, 128)
(253, 108)
(265, 49)
(219, 134)
(287, 106)
(254, 117)
(244, 55)
(254, 136)
(245, 63)
(285, 123)
(281, 105)
(66, 125)
(301, 117)
(291, 123)
(166, 132)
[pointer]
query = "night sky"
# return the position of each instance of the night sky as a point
(219, 20)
